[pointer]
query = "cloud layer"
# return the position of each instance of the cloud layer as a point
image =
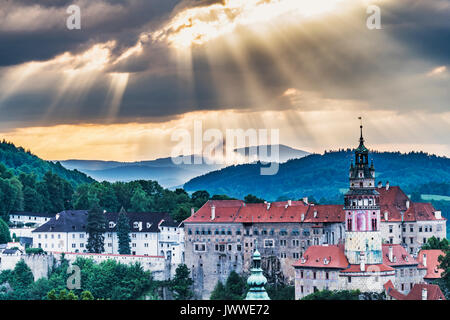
(138, 61)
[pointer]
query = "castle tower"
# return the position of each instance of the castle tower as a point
(257, 281)
(362, 211)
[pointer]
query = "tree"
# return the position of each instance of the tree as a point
(333, 295)
(21, 277)
(140, 202)
(87, 295)
(280, 292)
(181, 212)
(218, 292)
(95, 229)
(416, 197)
(199, 198)
(123, 232)
(253, 199)
(235, 287)
(434, 243)
(182, 283)
(5, 235)
(63, 295)
(444, 264)
(221, 197)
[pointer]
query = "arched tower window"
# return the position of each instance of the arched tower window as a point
(374, 224)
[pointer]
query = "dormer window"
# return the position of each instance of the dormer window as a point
(111, 224)
(135, 224)
(149, 225)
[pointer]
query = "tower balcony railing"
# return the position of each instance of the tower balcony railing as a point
(371, 207)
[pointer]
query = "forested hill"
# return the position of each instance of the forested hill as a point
(19, 161)
(323, 176)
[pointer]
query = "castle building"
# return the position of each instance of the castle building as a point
(151, 234)
(316, 246)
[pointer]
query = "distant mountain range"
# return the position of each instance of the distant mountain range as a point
(268, 153)
(322, 176)
(165, 171)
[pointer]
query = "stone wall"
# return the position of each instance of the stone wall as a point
(40, 264)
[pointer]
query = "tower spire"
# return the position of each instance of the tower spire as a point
(361, 139)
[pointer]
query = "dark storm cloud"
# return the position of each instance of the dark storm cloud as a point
(338, 58)
(40, 33)
(422, 25)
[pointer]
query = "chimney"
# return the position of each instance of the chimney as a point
(424, 260)
(303, 217)
(438, 214)
(391, 254)
(380, 184)
(424, 294)
(213, 212)
(315, 213)
(289, 203)
(57, 216)
(192, 211)
(268, 205)
(407, 204)
(387, 185)
(305, 200)
(386, 215)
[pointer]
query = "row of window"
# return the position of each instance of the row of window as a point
(421, 228)
(282, 232)
(314, 275)
(52, 236)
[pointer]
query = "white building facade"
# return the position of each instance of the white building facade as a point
(151, 234)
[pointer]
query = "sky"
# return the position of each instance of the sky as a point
(138, 70)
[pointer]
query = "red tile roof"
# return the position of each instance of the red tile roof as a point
(275, 212)
(433, 272)
(400, 256)
(323, 257)
(422, 211)
(237, 211)
(433, 292)
(391, 291)
(369, 268)
(326, 213)
(393, 201)
(225, 211)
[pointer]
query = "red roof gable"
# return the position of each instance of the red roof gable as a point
(400, 256)
(433, 271)
(323, 257)
(433, 292)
